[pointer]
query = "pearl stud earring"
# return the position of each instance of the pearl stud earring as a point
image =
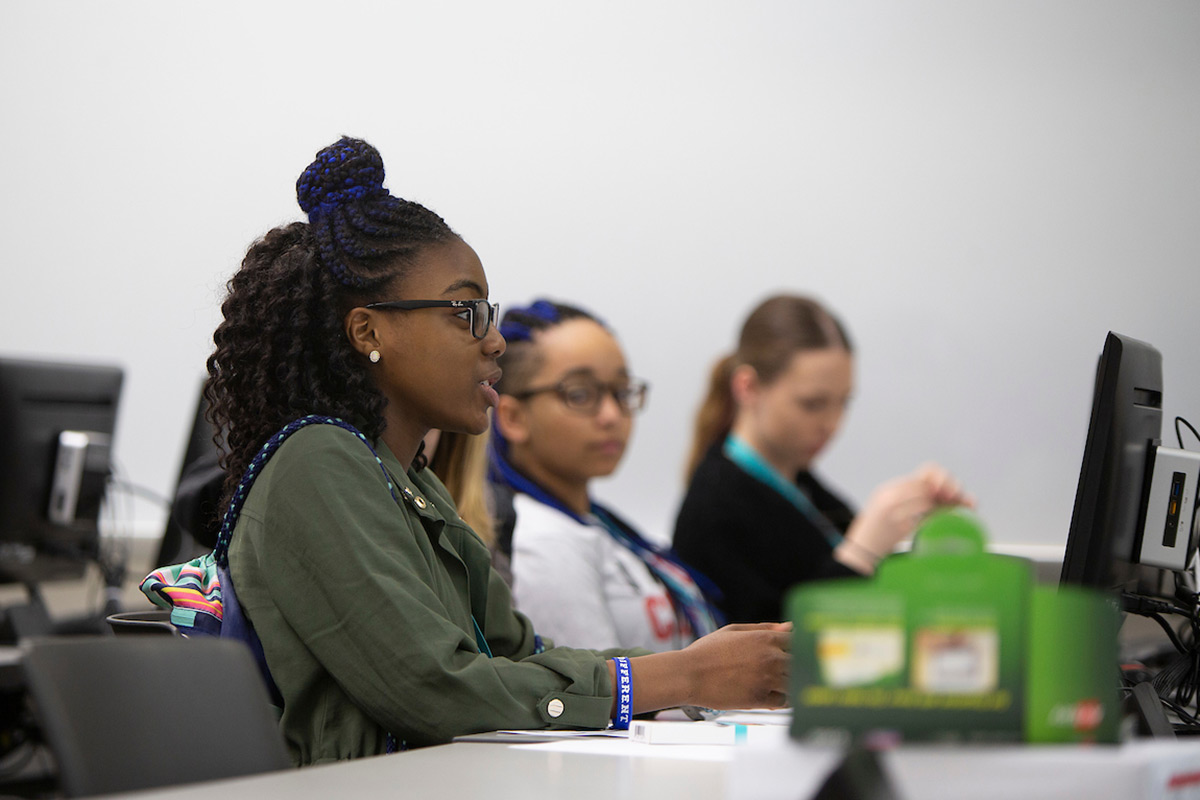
(374, 356)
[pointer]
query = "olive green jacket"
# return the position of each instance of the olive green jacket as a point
(366, 609)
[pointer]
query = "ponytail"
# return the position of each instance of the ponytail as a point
(715, 417)
(777, 329)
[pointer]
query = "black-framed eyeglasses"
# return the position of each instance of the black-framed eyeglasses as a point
(584, 395)
(481, 314)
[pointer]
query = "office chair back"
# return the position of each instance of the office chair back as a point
(138, 712)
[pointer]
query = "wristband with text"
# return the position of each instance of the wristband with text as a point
(624, 694)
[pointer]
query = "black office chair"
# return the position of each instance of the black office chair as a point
(128, 713)
(142, 623)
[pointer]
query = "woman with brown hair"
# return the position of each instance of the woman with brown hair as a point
(755, 519)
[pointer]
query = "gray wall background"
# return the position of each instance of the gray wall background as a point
(982, 190)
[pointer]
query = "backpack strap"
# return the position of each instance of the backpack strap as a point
(229, 522)
(200, 594)
(234, 624)
(212, 590)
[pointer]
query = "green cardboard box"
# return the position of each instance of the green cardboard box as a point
(951, 643)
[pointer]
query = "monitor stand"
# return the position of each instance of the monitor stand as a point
(1150, 718)
(26, 620)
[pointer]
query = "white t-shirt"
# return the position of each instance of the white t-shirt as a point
(582, 588)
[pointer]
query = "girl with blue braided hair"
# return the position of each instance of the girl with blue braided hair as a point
(581, 573)
(345, 340)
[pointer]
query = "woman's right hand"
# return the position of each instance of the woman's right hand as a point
(893, 512)
(737, 666)
(742, 666)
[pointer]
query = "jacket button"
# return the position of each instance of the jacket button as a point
(555, 708)
(420, 501)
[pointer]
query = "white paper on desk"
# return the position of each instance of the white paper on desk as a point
(609, 733)
(718, 733)
(766, 737)
(625, 747)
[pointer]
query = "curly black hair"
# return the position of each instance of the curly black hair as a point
(281, 352)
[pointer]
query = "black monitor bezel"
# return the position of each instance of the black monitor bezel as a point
(1125, 424)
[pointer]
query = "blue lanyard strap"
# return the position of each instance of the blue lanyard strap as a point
(754, 465)
(682, 585)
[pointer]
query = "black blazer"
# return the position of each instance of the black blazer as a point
(751, 541)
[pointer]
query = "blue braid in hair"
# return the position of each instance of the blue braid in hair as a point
(355, 221)
(342, 172)
(519, 325)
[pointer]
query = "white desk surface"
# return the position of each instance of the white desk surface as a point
(586, 769)
(475, 770)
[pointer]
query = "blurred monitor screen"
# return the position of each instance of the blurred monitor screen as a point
(56, 428)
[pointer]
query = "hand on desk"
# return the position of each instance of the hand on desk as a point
(893, 512)
(737, 666)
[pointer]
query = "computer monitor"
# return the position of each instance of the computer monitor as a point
(1125, 427)
(193, 522)
(56, 427)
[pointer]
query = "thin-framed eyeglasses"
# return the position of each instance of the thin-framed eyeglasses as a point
(481, 314)
(584, 396)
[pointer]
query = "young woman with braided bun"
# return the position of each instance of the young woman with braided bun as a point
(565, 415)
(756, 519)
(346, 339)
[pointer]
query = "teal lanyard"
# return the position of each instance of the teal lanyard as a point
(479, 640)
(754, 465)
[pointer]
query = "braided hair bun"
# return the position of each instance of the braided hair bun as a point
(349, 169)
(362, 232)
